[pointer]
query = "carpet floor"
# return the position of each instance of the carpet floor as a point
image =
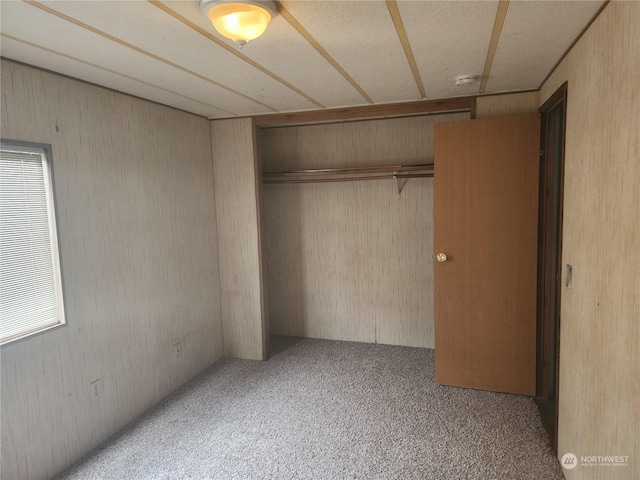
(322, 409)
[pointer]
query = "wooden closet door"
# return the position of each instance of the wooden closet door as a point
(486, 218)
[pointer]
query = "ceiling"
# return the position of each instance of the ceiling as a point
(314, 54)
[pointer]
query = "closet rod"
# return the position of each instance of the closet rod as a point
(350, 174)
(345, 179)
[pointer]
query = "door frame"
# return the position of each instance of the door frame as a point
(548, 325)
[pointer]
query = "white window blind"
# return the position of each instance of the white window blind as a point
(30, 283)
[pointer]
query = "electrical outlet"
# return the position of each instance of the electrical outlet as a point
(96, 388)
(177, 350)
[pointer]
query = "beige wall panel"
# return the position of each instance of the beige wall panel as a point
(235, 173)
(508, 104)
(137, 232)
(395, 141)
(351, 260)
(600, 327)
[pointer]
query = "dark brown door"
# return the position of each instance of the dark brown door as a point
(549, 266)
(486, 223)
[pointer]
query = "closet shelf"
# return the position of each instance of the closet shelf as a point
(350, 174)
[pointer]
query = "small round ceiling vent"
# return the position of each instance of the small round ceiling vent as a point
(466, 80)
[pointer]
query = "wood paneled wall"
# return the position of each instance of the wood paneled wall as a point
(600, 324)
(351, 261)
(237, 191)
(507, 104)
(137, 232)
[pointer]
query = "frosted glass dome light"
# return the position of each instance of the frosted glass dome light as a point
(240, 21)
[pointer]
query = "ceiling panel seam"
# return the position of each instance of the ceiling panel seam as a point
(315, 44)
(233, 51)
(406, 45)
(142, 51)
(501, 14)
(64, 55)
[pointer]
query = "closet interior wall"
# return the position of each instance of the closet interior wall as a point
(351, 260)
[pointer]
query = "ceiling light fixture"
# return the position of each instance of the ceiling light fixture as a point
(239, 20)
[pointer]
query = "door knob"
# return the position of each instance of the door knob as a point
(441, 257)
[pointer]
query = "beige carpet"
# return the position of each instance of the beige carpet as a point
(329, 410)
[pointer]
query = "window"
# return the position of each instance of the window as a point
(30, 283)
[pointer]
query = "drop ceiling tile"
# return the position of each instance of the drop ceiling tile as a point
(534, 37)
(169, 39)
(361, 37)
(448, 39)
